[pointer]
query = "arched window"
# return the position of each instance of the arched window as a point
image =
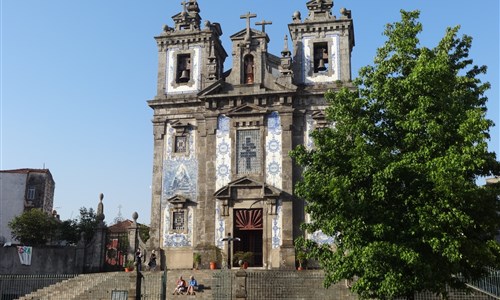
(249, 69)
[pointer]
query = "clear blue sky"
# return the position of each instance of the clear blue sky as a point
(76, 75)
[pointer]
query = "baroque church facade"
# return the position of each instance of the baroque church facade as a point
(221, 138)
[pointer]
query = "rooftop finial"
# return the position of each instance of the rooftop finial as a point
(264, 23)
(184, 7)
(248, 16)
(285, 47)
(100, 208)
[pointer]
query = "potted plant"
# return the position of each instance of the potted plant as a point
(215, 256)
(196, 260)
(301, 259)
(243, 259)
(129, 266)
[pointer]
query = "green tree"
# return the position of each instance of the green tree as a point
(68, 231)
(87, 223)
(143, 232)
(395, 179)
(33, 227)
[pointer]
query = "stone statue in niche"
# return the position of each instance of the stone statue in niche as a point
(249, 69)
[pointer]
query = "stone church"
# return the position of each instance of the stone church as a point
(222, 137)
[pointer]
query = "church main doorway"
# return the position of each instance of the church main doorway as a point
(248, 227)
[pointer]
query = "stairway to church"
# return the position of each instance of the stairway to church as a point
(86, 286)
(116, 284)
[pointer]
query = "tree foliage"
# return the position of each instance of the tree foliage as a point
(33, 227)
(87, 223)
(143, 232)
(68, 231)
(395, 179)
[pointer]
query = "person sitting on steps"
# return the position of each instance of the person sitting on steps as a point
(180, 287)
(192, 285)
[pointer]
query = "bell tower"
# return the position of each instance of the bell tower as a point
(322, 44)
(190, 57)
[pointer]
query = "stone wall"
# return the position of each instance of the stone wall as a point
(58, 259)
(61, 260)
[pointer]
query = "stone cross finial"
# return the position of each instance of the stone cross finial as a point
(264, 23)
(248, 16)
(184, 8)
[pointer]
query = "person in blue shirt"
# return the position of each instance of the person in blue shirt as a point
(191, 285)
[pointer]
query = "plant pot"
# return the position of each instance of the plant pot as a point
(245, 265)
(300, 268)
(129, 269)
(213, 265)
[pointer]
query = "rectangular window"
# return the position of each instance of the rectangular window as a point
(248, 152)
(31, 193)
(180, 144)
(320, 57)
(178, 220)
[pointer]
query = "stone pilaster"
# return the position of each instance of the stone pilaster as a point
(155, 239)
(210, 180)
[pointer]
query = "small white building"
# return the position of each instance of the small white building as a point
(20, 190)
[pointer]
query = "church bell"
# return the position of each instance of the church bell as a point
(321, 65)
(184, 76)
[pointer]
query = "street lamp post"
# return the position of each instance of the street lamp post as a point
(229, 239)
(138, 259)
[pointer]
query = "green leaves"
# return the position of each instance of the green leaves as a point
(33, 227)
(395, 179)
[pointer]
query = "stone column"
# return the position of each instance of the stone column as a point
(132, 286)
(241, 285)
(133, 239)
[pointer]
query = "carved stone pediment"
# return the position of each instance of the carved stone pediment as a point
(320, 119)
(180, 202)
(247, 109)
(240, 35)
(246, 188)
(181, 124)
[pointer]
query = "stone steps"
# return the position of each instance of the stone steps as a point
(261, 285)
(71, 288)
(102, 285)
(203, 277)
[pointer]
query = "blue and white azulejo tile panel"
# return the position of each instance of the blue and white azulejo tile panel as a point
(309, 144)
(321, 238)
(180, 171)
(175, 239)
(223, 152)
(273, 150)
(277, 226)
(223, 171)
(220, 226)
